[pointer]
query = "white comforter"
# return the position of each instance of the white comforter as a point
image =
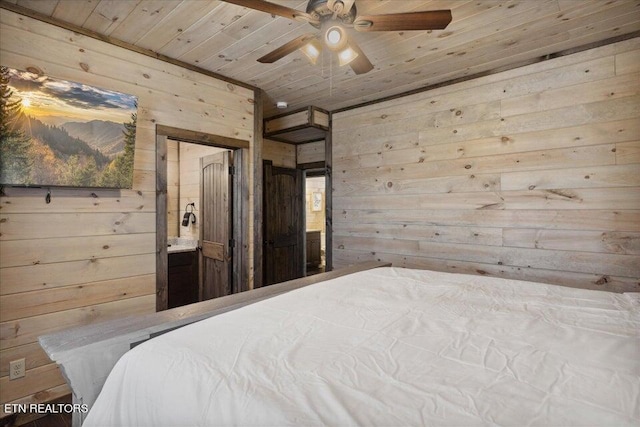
(392, 347)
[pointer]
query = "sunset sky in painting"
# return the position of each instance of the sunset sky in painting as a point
(54, 101)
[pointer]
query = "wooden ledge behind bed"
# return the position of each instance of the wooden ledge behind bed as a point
(87, 354)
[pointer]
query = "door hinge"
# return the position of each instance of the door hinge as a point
(232, 243)
(232, 170)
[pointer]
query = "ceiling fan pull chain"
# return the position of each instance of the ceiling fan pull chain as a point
(330, 76)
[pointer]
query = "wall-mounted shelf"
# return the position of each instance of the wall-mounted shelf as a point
(299, 126)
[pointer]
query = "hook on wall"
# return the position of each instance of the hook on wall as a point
(47, 198)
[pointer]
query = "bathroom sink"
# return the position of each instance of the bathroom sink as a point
(181, 244)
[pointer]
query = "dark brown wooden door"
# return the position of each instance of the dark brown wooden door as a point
(283, 224)
(215, 229)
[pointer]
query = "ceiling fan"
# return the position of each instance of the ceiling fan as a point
(332, 17)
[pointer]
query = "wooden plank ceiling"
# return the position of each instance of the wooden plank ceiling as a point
(227, 39)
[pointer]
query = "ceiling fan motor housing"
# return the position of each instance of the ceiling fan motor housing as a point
(319, 9)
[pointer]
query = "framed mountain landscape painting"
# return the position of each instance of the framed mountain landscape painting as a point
(60, 133)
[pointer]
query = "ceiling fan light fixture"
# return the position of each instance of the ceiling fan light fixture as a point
(312, 51)
(336, 38)
(347, 55)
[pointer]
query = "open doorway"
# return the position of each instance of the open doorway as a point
(315, 221)
(201, 222)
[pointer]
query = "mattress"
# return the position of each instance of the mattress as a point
(391, 347)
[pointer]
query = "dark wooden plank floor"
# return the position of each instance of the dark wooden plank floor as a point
(317, 270)
(53, 420)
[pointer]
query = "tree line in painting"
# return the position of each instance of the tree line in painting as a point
(35, 153)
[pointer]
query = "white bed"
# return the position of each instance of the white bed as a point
(391, 346)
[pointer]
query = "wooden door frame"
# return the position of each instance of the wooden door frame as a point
(240, 200)
(327, 165)
(328, 196)
(311, 170)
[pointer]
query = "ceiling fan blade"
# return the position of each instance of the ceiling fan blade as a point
(286, 48)
(361, 64)
(276, 9)
(427, 20)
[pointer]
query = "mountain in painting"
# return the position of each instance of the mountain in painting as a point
(108, 137)
(59, 140)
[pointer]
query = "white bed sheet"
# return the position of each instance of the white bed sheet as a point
(391, 347)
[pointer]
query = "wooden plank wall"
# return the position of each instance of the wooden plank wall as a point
(290, 155)
(84, 259)
(532, 173)
(310, 152)
(280, 153)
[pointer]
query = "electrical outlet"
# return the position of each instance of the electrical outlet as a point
(16, 369)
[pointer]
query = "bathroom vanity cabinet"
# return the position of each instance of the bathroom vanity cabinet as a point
(183, 278)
